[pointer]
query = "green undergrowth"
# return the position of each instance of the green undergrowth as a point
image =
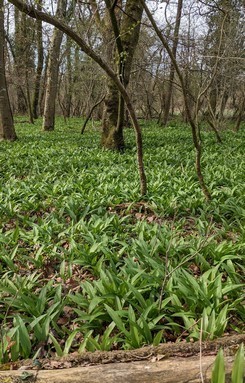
(86, 265)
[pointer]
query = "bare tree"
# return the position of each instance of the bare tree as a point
(40, 58)
(168, 95)
(7, 131)
(53, 72)
(186, 92)
(225, 44)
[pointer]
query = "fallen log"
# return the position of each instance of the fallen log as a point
(172, 370)
(166, 363)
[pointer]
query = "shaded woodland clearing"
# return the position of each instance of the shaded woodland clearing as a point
(98, 265)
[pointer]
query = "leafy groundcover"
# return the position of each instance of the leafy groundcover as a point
(85, 264)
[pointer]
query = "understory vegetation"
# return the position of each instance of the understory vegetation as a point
(86, 265)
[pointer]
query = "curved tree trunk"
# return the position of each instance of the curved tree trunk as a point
(53, 72)
(7, 131)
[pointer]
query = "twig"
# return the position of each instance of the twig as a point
(200, 353)
(90, 113)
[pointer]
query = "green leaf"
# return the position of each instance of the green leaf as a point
(237, 375)
(69, 341)
(83, 345)
(57, 347)
(218, 372)
(157, 338)
(23, 337)
(116, 318)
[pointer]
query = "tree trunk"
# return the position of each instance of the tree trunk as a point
(112, 131)
(53, 72)
(28, 96)
(240, 114)
(19, 50)
(35, 104)
(7, 131)
(127, 37)
(112, 134)
(69, 80)
(169, 92)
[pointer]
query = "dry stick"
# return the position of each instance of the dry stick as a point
(212, 123)
(39, 15)
(185, 92)
(200, 352)
(90, 113)
(186, 330)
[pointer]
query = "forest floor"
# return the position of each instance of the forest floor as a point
(86, 265)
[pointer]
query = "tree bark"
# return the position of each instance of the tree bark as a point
(240, 114)
(53, 72)
(126, 34)
(7, 131)
(112, 129)
(19, 51)
(40, 55)
(68, 96)
(169, 92)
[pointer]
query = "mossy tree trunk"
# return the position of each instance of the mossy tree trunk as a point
(126, 28)
(112, 134)
(7, 131)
